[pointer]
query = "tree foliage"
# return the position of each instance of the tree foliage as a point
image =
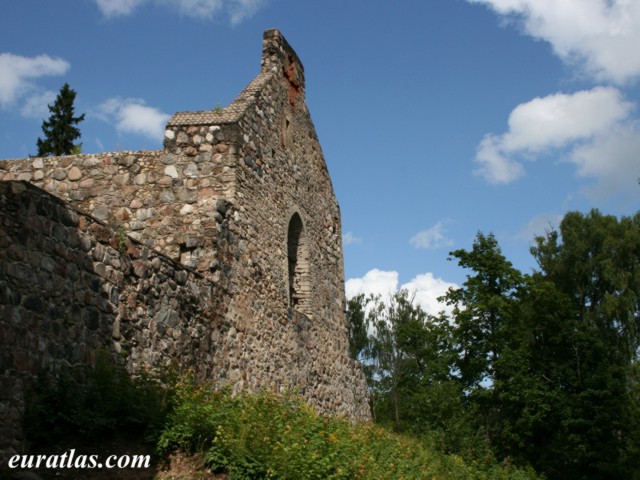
(60, 130)
(408, 361)
(358, 335)
(542, 369)
(481, 309)
(593, 266)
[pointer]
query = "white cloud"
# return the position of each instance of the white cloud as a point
(425, 288)
(496, 166)
(557, 119)
(594, 128)
(36, 105)
(614, 160)
(131, 115)
(350, 239)
(17, 73)
(118, 8)
(236, 10)
(600, 35)
(376, 282)
(433, 237)
(575, 121)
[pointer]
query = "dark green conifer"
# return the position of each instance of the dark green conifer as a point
(60, 129)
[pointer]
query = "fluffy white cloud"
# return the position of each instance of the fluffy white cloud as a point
(17, 73)
(557, 119)
(495, 165)
(350, 239)
(576, 121)
(433, 237)
(36, 105)
(131, 115)
(425, 288)
(236, 10)
(600, 35)
(376, 282)
(118, 8)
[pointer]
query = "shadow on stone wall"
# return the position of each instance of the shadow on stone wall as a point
(70, 286)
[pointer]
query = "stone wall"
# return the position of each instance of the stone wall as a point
(70, 286)
(165, 200)
(222, 252)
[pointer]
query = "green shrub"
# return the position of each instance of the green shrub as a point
(249, 436)
(264, 435)
(107, 400)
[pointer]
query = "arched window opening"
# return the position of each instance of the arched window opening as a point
(297, 253)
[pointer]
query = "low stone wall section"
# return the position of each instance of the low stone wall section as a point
(169, 202)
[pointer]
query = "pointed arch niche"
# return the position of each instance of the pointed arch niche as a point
(298, 259)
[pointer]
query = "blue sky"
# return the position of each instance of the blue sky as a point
(437, 118)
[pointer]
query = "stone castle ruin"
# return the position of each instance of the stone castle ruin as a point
(221, 253)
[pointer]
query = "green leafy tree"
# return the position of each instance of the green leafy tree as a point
(548, 360)
(60, 130)
(535, 376)
(358, 327)
(481, 309)
(404, 357)
(594, 264)
(482, 325)
(360, 340)
(398, 327)
(408, 357)
(595, 259)
(542, 368)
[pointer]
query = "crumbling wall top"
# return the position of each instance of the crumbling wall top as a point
(277, 54)
(278, 58)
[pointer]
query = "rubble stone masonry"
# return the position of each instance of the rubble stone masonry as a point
(221, 253)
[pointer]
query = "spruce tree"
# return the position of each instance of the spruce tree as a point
(60, 129)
